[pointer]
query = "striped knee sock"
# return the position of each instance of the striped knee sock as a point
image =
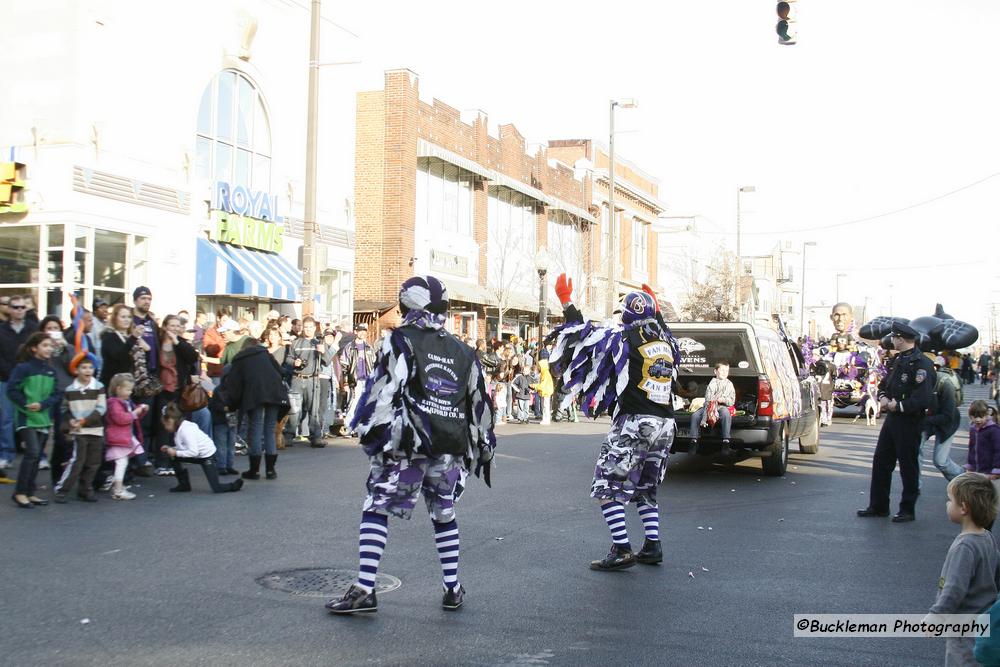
(446, 537)
(614, 514)
(650, 515)
(371, 546)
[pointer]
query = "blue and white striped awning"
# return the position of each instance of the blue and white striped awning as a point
(232, 270)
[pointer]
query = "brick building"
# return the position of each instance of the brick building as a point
(436, 193)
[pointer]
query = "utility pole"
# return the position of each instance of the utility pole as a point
(310, 277)
(739, 248)
(613, 257)
(612, 217)
(802, 297)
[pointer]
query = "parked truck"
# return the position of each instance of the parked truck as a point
(776, 397)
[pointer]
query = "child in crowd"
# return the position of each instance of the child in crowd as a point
(984, 442)
(970, 576)
(522, 395)
(223, 435)
(191, 445)
(500, 400)
(32, 389)
(122, 431)
(83, 409)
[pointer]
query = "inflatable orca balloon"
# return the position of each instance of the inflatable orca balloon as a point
(936, 332)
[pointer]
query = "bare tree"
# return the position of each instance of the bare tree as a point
(508, 261)
(717, 287)
(568, 253)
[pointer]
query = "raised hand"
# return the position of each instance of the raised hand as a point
(564, 289)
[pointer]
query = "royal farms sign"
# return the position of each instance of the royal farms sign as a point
(246, 218)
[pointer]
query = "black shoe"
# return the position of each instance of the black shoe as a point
(693, 448)
(269, 461)
(236, 486)
(868, 511)
(355, 601)
(619, 558)
(222, 472)
(453, 598)
(180, 488)
(144, 471)
(59, 499)
(87, 498)
(903, 517)
(254, 470)
(317, 444)
(651, 554)
(725, 449)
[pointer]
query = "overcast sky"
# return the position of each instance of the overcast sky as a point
(882, 105)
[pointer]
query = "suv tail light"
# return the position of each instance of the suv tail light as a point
(765, 405)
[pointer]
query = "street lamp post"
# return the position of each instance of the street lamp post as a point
(310, 226)
(739, 244)
(626, 103)
(839, 276)
(802, 302)
(542, 266)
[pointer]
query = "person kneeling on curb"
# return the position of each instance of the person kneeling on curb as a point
(191, 445)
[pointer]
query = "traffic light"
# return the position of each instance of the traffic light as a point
(786, 17)
(12, 177)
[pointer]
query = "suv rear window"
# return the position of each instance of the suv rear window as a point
(703, 349)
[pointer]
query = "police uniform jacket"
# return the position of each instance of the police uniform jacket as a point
(910, 383)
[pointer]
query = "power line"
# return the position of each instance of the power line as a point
(898, 268)
(859, 221)
(302, 5)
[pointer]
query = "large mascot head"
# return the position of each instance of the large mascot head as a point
(842, 316)
(637, 306)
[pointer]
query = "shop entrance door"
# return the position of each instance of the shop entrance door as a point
(465, 324)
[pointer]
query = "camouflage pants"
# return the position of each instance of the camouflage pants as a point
(633, 459)
(393, 486)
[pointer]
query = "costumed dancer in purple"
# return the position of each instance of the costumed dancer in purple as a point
(627, 371)
(423, 417)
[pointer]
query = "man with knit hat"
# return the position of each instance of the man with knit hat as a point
(142, 299)
(424, 417)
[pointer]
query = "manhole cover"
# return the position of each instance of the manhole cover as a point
(321, 581)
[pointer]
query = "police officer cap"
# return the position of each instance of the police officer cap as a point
(903, 330)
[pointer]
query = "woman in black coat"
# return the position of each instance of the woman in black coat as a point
(179, 366)
(255, 386)
(117, 341)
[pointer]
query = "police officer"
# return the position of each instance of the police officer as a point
(904, 395)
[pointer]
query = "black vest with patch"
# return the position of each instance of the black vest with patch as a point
(440, 388)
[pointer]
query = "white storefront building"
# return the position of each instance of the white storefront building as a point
(163, 145)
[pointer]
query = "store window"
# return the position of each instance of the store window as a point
(49, 262)
(338, 299)
(511, 244)
(233, 142)
(640, 246)
(444, 197)
(566, 247)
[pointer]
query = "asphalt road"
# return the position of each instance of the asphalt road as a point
(172, 580)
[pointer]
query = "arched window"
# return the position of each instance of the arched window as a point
(233, 142)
